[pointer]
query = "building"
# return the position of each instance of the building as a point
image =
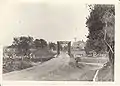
(78, 45)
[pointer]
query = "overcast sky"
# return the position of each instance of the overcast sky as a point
(50, 21)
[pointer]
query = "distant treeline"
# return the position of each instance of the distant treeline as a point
(25, 43)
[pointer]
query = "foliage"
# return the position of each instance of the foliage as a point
(23, 44)
(15, 64)
(101, 26)
(101, 19)
(52, 46)
(40, 43)
(37, 43)
(23, 62)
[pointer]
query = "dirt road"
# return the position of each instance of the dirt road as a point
(58, 68)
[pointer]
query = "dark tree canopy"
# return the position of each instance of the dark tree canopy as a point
(101, 19)
(52, 45)
(43, 43)
(101, 27)
(37, 43)
(23, 43)
(40, 43)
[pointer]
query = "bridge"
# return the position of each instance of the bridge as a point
(64, 42)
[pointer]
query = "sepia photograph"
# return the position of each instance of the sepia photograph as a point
(48, 41)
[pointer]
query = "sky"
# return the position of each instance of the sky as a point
(47, 20)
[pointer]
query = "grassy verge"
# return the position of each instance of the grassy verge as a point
(13, 64)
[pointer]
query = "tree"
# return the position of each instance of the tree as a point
(23, 44)
(52, 46)
(40, 43)
(43, 43)
(37, 43)
(101, 26)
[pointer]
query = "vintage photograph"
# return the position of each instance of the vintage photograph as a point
(58, 42)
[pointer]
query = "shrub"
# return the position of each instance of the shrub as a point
(15, 64)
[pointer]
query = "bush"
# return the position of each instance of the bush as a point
(19, 62)
(15, 64)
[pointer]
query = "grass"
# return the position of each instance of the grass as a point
(105, 73)
(15, 63)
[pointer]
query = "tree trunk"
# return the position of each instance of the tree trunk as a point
(111, 59)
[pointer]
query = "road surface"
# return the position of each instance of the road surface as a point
(56, 69)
